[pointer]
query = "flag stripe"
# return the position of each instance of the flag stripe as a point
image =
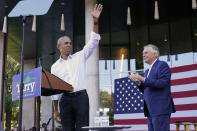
(184, 94)
(186, 87)
(144, 121)
(129, 116)
(185, 113)
(144, 127)
(184, 74)
(184, 68)
(187, 100)
(173, 120)
(130, 121)
(141, 115)
(186, 107)
(184, 81)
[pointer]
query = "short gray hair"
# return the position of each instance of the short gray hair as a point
(154, 48)
(61, 38)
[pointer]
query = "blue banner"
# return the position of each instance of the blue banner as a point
(32, 84)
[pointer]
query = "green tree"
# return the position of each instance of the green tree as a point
(11, 108)
(107, 101)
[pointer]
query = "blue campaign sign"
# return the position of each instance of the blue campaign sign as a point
(32, 84)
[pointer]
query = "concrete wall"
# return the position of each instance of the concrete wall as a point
(46, 110)
(92, 64)
(28, 118)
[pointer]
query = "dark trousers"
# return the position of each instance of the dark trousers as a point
(74, 110)
(159, 123)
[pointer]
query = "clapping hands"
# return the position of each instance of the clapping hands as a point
(136, 78)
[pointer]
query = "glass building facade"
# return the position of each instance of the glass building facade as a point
(121, 46)
(120, 50)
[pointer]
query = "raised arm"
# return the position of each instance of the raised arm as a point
(96, 14)
(94, 36)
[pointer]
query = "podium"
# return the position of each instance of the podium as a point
(38, 82)
(53, 85)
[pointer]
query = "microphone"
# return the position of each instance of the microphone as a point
(50, 54)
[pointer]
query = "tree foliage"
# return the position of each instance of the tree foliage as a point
(107, 101)
(11, 108)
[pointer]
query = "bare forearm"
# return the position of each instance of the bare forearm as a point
(55, 105)
(56, 112)
(95, 26)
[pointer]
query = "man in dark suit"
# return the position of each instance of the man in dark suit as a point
(155, 85)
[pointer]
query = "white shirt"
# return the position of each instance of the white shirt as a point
(73, 70)
(150, 68)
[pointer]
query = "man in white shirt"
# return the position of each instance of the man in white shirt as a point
(74, 106)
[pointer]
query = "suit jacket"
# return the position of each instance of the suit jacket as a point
(157, 91)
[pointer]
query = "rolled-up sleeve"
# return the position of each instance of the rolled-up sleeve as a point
(55, 97)
(91, 45)
(95, 36)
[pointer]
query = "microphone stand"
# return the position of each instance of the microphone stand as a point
(21, 77)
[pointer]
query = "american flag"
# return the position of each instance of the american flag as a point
(128, 100)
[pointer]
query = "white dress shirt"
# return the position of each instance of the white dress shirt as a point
(150, 68)
(73, 70)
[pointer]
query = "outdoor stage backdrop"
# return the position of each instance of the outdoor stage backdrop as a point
(128, 103)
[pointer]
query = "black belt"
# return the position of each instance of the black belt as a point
(75, 93)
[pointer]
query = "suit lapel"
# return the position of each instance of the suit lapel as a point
(146, 73)
(153, 67)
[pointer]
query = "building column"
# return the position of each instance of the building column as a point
(1, 80)
(46, 111)
(92, 64)
(28, 118)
